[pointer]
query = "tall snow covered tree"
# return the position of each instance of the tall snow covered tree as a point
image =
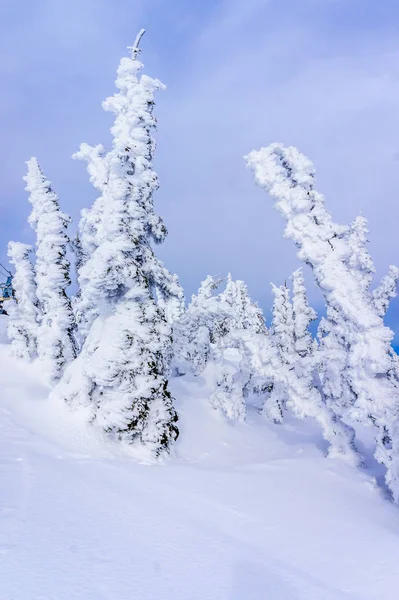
(23, 310)
(121, 372)
(56, 344)
(366, 362)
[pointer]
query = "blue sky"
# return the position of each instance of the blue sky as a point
(319, 74)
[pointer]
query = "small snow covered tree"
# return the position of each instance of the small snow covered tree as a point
(359, 260)
(198, 328)
(362, 266)
(246, 314)
(293, 371)
(121, 372)
(222, 328)
(214, 320)
(303, 315)
(282, 327)
(228, 396)
(206, 289)
(77, 305)
(172, 300)
(209, 330)
(360, 338)
(383, 294)
(56, 344)
(282, 338)
(23, 310)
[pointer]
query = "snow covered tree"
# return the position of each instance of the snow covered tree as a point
(228, 396)
(80, 321)
(172, 302)
(206, 289)
(282, 327)
(246, 314)
(289, 380)
(359, 335)
(121, 372)
(359, 260)
(383, 294)
(56, 344)
(293, 385)
(303, 315)
(212, 321)
(23, 310)
(215, 328)
(198, 328)
(362, 266)
(282, 338)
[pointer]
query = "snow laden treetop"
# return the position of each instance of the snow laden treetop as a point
(124, 211)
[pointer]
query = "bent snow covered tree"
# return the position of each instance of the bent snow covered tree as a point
(359, 374)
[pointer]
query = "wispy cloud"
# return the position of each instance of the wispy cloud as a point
(257, 77)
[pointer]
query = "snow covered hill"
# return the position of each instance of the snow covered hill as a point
(241, 512)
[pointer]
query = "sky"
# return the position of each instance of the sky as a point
(322, 75)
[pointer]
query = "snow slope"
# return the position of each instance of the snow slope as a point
(241, 512)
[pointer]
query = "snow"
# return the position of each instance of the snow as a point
(248, 511)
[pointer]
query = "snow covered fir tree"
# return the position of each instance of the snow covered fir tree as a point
(55, 335)
(115, 349)
(122, 370)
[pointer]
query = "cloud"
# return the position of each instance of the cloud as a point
(322, 75)
(258, 78)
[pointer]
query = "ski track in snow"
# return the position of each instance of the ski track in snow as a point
(248, 512)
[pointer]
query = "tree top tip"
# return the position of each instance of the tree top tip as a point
(135, 50)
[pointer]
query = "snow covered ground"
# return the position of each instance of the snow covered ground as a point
(241, 512)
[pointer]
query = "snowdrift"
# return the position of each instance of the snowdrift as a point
(240, 511)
